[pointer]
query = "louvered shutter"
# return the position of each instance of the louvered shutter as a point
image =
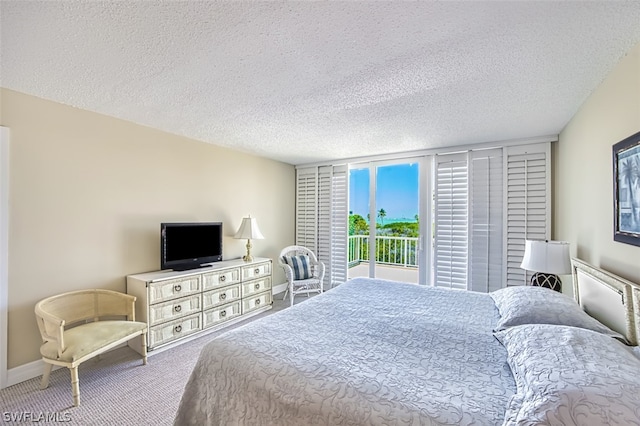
(451, 216)
(325, 177)
(486, 220)
(339, 224)
(307, 208)
(322, 217)
(528, 184)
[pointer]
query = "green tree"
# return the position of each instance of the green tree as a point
(382, 214)
(357, 225)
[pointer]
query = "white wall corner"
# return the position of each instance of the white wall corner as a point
(4, 254)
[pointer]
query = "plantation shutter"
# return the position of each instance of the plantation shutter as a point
(339, 224)
(451, 214)
(322, 217)
(528, 184)
(307, 208)
(325, 178)
(486, 220)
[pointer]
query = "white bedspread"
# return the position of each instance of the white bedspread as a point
(369, 352)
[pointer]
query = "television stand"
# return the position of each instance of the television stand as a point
(182, 305)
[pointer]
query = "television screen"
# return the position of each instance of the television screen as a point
(189, 245)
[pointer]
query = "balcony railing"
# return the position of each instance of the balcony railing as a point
(399, 251)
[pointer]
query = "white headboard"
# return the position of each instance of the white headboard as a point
(610, 299)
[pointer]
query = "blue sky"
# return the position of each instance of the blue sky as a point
(396, 192)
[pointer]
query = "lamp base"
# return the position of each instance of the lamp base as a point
(551, 281)
(247, 257)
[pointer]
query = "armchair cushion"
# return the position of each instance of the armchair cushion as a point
(87, 338)
(300, 266)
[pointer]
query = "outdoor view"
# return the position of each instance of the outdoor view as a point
(395, 222)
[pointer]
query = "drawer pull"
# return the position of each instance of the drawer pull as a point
(223, 314)
(177, 288)
(257, 302)
(223, 278)
(177, 328)
(258, 286)
(256, 271)
(177, 308)
(223, 296)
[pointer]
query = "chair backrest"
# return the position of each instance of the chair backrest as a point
(296, 251)
(55, 313)
(83, 305)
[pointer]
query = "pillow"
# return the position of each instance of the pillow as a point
(570, 376)
(540, 305)
(300, 266)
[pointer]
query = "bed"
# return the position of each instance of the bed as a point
(374, 352)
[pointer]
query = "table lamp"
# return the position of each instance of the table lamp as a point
(547, 259)
(249, 230)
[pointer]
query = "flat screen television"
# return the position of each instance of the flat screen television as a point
(190, 245)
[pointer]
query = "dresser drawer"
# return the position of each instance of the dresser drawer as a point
(172, 289)
(256, 301)
(167, 332)
(219, 278)
(161, 312)
(256, 271)
(256, 286)
(221, 313)
(220, 296)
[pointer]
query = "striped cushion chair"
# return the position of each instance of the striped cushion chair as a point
(303, 271)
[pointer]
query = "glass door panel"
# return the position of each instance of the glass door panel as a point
(359, 214)
(397, 222)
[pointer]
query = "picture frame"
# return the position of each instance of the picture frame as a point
(626, 190)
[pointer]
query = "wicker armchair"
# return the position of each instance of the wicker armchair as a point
(299, 283)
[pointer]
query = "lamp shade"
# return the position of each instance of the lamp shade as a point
(550, 257)
(249, 229)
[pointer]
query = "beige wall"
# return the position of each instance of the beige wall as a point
(88, 193)
(583, 196)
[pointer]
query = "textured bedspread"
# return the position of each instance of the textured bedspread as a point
(369, 352)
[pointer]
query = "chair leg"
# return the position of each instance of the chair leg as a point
(291, 295)
(45, 376)
(144, 348)
(75, 386)
(285, 293)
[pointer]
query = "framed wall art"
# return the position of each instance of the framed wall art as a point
(626, 190)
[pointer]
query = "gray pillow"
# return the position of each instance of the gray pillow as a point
(538, 305)
(570, 376)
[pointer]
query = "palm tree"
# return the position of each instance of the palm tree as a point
(627, 175)
(382, 214)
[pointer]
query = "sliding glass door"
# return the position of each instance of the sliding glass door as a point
(384, 220)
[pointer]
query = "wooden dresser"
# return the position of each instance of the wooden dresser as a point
(181, 304)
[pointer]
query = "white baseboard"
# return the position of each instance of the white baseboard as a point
(26, 372)
(279, 288)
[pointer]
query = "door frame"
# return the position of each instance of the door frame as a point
(424, 207)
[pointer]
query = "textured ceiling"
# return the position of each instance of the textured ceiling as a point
(304, 82)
